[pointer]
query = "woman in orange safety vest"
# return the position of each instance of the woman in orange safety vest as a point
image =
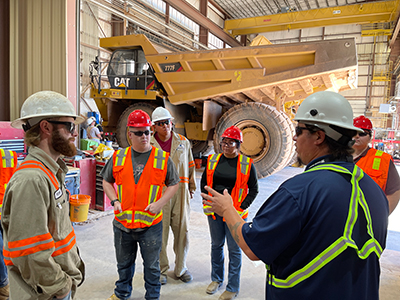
(236, 173)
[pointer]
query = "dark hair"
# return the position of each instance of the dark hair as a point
(343, 147)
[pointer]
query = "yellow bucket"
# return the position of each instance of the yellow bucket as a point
(79, 207)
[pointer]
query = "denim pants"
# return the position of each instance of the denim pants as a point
(126, 246)
(3, 268)
(219, 231)
(68, 297)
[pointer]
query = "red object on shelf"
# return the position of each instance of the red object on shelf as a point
(102, 201)
(9, 133)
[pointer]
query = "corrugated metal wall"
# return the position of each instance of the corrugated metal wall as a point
(4, 60)
(37, 49)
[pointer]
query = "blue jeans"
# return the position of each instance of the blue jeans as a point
(3, 268)
(126, 246)
(219, 231)
(68, 297)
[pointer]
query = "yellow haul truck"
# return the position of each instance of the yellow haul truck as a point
(256, 88)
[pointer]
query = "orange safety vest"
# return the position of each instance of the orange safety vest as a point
(8, 166)
(134, 197)
(40, 242)
(376, 165)
(240, 190)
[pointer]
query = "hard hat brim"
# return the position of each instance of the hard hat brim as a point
(20, 121)
(159, 119)
(338, 124)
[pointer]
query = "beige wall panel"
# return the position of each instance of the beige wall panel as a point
(38, 47)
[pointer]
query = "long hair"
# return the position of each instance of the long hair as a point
(32, 136)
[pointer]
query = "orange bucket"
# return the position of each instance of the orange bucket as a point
(198, 162)
(79, 208)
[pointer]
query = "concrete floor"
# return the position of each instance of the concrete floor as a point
(95, 240)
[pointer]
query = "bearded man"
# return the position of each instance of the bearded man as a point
(40, 248)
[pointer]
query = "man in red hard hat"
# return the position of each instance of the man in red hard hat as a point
(376, 163)
(140, 172)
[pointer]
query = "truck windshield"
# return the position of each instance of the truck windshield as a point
(128, 69)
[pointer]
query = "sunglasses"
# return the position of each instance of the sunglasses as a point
(299, 130)
(70, 126)
(161, 123)
(227, 144)
(363, 133)
(140, 133)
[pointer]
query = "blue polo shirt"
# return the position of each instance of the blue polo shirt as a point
(304, 217)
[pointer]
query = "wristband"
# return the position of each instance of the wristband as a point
(113, 201)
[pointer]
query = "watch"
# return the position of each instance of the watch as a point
(113, 201)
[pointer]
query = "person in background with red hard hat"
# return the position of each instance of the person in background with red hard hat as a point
(140, 172)
(176, 212)
(8, 165)
(235, 173)
(376, 163)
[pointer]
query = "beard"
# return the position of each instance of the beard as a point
(62, 145)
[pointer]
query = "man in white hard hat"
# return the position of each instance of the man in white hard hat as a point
(177, 211)
(8, 165)
(93, 131)
(40, 248)
(321, 234)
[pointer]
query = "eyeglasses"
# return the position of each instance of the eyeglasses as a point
(227, 144)
(299, 130)
(140, 133)
(365, 133)
(161, 123)
(70, 126)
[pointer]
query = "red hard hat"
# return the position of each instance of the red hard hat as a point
(362, 122)
(138, 118)
(233, 133)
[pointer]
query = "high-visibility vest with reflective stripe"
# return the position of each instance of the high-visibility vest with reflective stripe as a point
(343, 242)
(41, 242)
(376, 165)
(134, 197)
(240, 190)
(8, 165)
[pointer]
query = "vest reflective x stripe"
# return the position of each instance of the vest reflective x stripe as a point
(32, 164)
(42, 242)
(134, 197)
(240, 190)
(376, 164)
(8, 166)
(342, 243)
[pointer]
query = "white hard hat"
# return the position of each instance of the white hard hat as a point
(90, 120)
(45, 104)
(160, 113)
(323, 109)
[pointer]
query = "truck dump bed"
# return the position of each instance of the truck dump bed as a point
(271, 74)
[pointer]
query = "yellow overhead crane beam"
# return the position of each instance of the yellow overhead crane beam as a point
(369, 12)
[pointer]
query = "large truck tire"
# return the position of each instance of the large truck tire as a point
(267, 135)
(121, 132)
(201, 148)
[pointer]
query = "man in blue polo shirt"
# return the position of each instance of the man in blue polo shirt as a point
(322, 232)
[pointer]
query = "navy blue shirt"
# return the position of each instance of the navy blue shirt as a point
(304, 217)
